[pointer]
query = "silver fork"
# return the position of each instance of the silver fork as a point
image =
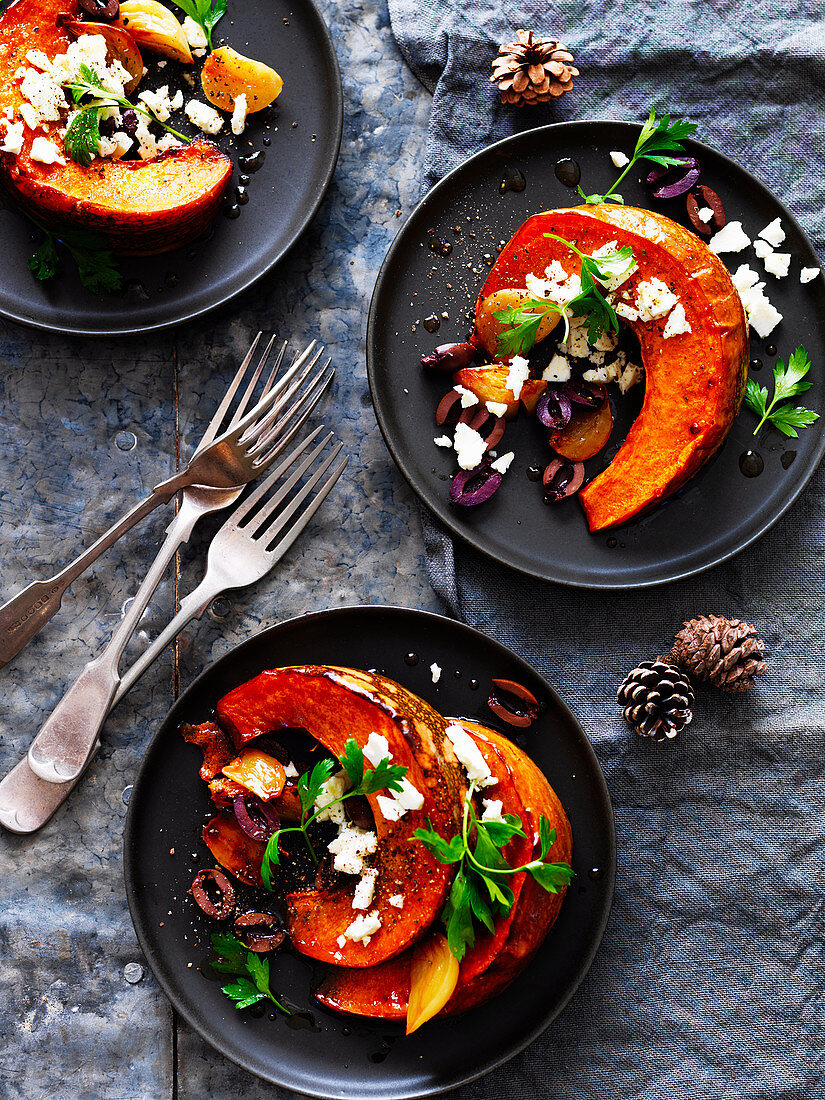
(224, 461)
(61, 748)
(245, 549)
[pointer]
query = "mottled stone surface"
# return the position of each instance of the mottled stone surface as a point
(70, 1024)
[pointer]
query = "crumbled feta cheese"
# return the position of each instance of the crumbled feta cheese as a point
(350, 847)
(435, 672)
(147, 146)
(117, 146)
(29, 115)
(363, 928)
(239, 114)
(390, 809)
(443, 441)
(557, 370)
(705, 214)
(492, 809)
(377, 749)
(517, 375)
(13, 140)
(557, 286)
(496, 408)
(677, 323)
(744, 278)
(773, 233)
(194, 34)
(654, 299)
(46, 152)
(342, 941)
(606, 341)
(397, 900)
(468, 753)
(808, 274)
(470, 446)
(762, 316)
(39, 60)
(732, 238)
(47, 97)
(778, 264)
(365, 889)
(626, 311)
(290, 771)
(502, 464)
(409, 796)
(599, 374)
(620, 160)
(334, 788)
(762, 249)
(629, 377)
(576, 343)
(615, 281)
(204, 117)
(168, 141)
(158, 102)
(468, 398)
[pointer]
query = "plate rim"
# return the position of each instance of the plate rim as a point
(441, 510)
(320, 194)
(153, 957)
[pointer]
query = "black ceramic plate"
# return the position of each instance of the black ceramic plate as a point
(333, 1056)
(720, 511)
(303, 130)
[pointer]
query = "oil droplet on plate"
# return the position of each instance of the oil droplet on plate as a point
(412, 659)
(596, 873)
(443, 248)
(568, 172)
(751, 463)
(533, 473)
(513, 181)
(787, 458)
(432, 323)
(474, 685)
(756, 364)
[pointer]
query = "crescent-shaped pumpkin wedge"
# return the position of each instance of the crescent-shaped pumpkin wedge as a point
(494, 960)
(334, 705)
(141, 207)
(694, 380)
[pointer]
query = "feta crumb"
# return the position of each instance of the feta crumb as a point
(468, 398)
(762, 249)
(762, 316)
(677, 323)
(39, 60)
(435, 672)
(176, 101)
(29, 115)
(599, 374)
(732, 238)
(557, 370)
(390, 809)
(117, 146)
(46, 96)
(620, 160)
(365, 889)
(468, 753)
(46, 151)
(470, 446)
(13, 141)
(626, 311)
(808, 274)
(705, 214)
(606, 341)
(502, 464)
(409, 796)
(363, 928)
(496, 408)
(239, 114)
(492, 809)
(290, 771)
(576, 343)
(397, 900)
(204, 117)
(377, 749)
(335, 787)
(517, 375)
(350, 847)
(443, 441)
(342, 941)
(773, 233)
(778, 264)
(168, 141)
(654, 299)
(615, 281)
(158, 102)
(744, 278)
(629, 377)
(194, 34)
(147, 146)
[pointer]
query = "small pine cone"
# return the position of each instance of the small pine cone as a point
(724, 651)
(657, 700)
(532, 70)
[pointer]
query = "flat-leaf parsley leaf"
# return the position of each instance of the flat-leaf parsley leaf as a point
(787, 382)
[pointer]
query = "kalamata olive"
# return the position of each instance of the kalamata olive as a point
(554, 408)
(675, 180)
(258, 819)
(712, 200)
(562, 478)
(214, 893)
(359, 813)
(472, 487)
(450, 357)
(513, 703)
(260, 932)
(590, 394)
(129, 121)
(101, 9)
(703, 228)
(481, 420)
(449, 408)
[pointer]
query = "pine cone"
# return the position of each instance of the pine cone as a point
(657, 700)
(724, 651)
(533, 70)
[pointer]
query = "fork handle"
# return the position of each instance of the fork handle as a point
(25, 614)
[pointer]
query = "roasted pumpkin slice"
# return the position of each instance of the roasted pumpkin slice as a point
(694, 380)
(140, 207)
(382, 991)
(233, 849)
(333, 705)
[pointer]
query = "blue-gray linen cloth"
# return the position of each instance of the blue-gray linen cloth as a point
(709, 983)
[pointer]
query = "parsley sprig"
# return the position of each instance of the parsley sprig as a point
(96, 266)
(787, 382)
(521, 322)
(480, 890)
(251, 972)
(384, 776)
(204, 12)
(660, 142)
(83, 132)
